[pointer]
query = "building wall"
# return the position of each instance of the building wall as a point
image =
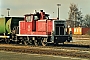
(79, 30)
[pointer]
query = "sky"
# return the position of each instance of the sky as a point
(22, 7)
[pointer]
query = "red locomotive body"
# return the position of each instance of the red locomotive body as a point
(39, 29)
(43, 27)
(36, 27)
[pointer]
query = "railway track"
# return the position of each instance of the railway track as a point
(49, 50)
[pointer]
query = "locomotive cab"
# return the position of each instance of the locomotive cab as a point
(36, 16)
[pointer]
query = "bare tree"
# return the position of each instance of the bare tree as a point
(86, 20)
(75, 15)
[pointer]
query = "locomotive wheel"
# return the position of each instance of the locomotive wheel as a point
(7, 41)
(68, 40)
(36, 42)
(29, 40)
(25, 42)
(32, 42)
(43, 41)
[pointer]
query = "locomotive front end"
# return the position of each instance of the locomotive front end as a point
(59, 32)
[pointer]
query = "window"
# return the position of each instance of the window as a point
(46, 17)
(36, 18)
(28, 18)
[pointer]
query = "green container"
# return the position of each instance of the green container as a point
(2, 25)
(8, 23)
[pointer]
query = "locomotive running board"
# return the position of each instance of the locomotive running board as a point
(31, 35)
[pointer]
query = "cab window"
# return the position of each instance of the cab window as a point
(28, 18)
(36, 18)
(46, 17)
